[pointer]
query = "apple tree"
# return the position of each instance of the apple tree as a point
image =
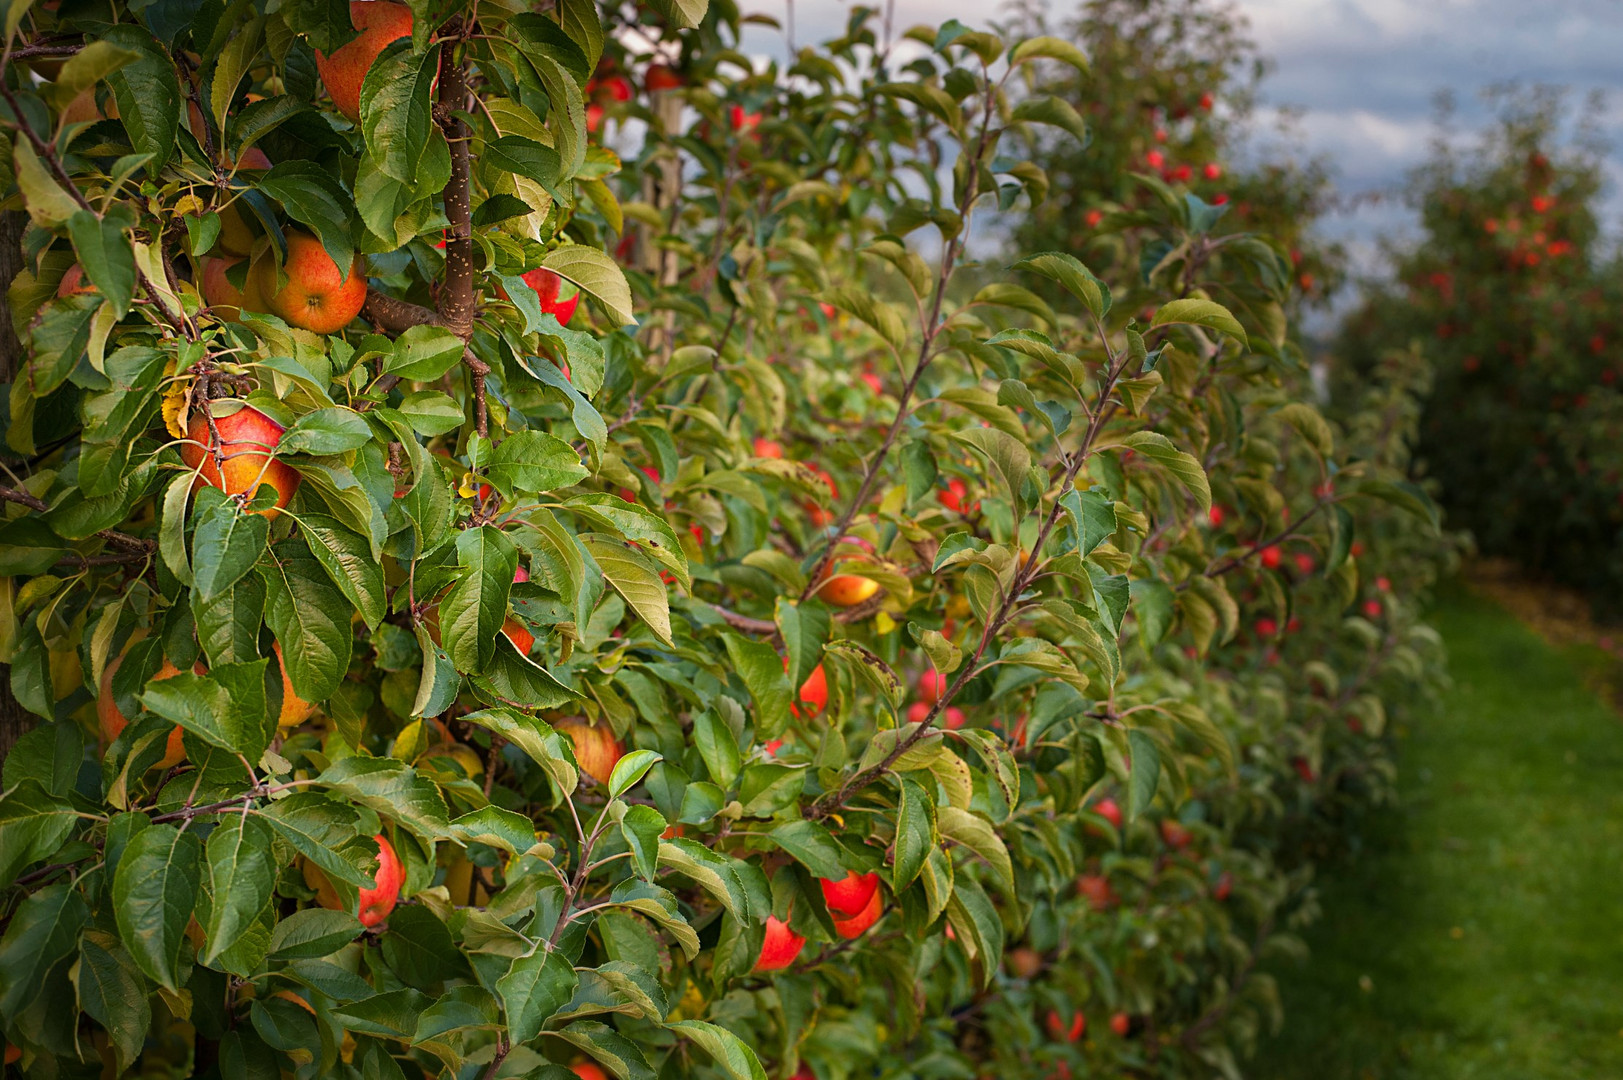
(537, 549)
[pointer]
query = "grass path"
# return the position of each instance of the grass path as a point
(1480, 932)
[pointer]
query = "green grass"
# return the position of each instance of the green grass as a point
(1480, 932)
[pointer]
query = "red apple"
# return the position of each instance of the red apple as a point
(548, 286)
(588, 1070)
(246, 436)
(1120, 1023)
(858, 924)
(849, 895)
(768, 448)
(317, 297)
(113, 722)
(780, 947)
(813, 694)
(1271, 556)
(846, 590)
(1062, 1030)
(1107, 809)
(659, 77)
(1175, 835)
(377, 900)
(1095, 888)
(379, 22)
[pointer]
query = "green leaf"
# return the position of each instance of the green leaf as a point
(1076, 279)
(527, 158)
(228, 625)
(975, 920)
(242, 872)
(227, 543)
(730, 1054)
(861, 304)
(1050, 48)
(642, 827)
(545, 746)
(1056, 112)
(629, 771)
(651, 533)
(1310, 425)
(718, 747)
(49, 205)
(535, 986)
(440, 682)
(431, 412)
(310, 618)
(976, 834)
(423, 354)
(226, 708)
(1010, 457)
(33, 825)
(397, 118)
(346, 555)
(616, 1053)
(533, 462)
(153, 894)
(513, 833)
(312, 196)
(472, 613)
(105, 254)
(595, 273)
(42, 933)
(1185, 467)
(391, 1015)
(420, 950)
(1093, 518)
(1145, 776)
(110, 992)
(915, 834)
(317, 827)
(1197, 312)
(812, 846)
(761, 668)
(932, 99)
(326, 431)
(804, 630)
(635, 579)
(874, 671)
(147, 91)
(312, 933)
(944, 656)
(393, 789)
(1152, 603)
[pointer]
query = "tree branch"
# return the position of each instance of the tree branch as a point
(456, 296)
(397, 316)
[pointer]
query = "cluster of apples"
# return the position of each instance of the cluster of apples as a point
(856, 903)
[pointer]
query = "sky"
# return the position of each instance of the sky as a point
(1361, 79)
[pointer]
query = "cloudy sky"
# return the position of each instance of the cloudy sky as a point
(1365, 76)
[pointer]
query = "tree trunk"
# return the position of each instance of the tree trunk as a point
(15, 721)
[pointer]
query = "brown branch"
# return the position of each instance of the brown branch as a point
(65, 45)
(746, 623)
(456, 296)
(397, 316)
(135, 547)
(478, 369)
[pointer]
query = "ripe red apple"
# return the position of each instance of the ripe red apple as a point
(815, 513)
(596, 748)
(1212, 170)
(1304, 562)
(1271, 556)
(1155, 159)
(849, 895)
(588, 1070)
(953, 498)
(1024, 962)
(1266, 627)
(1372, 609)
(548, 286)
(780, 947)
(813, 693)
(743, 122)
(1120, 1023)
(1092, 218)
(1107, 809)
(1175, 835)
(1095, 888)
(245, 437)
(1224, 886)
(932, 684)
(858, 924)
(376, 901)
(659, 77)
(1062, 1030)
(317, 297)
(379, 22)
(952, 717)
(768, 448)
(1215, 517)
(1206, 102)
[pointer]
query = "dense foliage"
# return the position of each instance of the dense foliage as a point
(1515, 300)
(644, 616)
